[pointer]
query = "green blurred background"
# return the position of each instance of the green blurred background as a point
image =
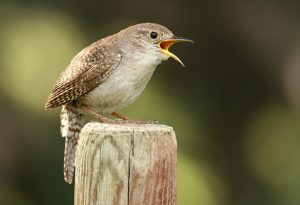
(235, 108)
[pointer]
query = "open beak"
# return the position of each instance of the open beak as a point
(166, 43)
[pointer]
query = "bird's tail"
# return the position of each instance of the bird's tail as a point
(71, 124)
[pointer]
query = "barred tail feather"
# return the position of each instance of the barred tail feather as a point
(69, 158)
(71, 125)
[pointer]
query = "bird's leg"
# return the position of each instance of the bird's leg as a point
(122, 119)
(96, 115)
(120, 116)
(125, 120)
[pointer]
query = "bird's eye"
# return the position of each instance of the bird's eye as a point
(153, 35)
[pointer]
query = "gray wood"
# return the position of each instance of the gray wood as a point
(126, 165)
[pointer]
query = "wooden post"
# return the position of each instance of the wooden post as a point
(126, 165)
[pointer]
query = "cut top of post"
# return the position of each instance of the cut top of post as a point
(98, 128)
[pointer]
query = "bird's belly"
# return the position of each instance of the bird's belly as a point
(121, 89)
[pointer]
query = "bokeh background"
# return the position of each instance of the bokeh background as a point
(235, 107)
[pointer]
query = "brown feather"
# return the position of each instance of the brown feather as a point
(87, 70)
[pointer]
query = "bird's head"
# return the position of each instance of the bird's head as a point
(153, 39)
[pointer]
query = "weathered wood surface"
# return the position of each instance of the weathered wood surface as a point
(126, 165)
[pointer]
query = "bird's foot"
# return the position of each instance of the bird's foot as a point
(125, 120)
(104, 119)
(130, 121)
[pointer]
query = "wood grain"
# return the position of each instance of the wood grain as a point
(126, 165)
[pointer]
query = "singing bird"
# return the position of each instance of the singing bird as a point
(107, 76)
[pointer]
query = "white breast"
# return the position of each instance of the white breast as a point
(123, 86)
